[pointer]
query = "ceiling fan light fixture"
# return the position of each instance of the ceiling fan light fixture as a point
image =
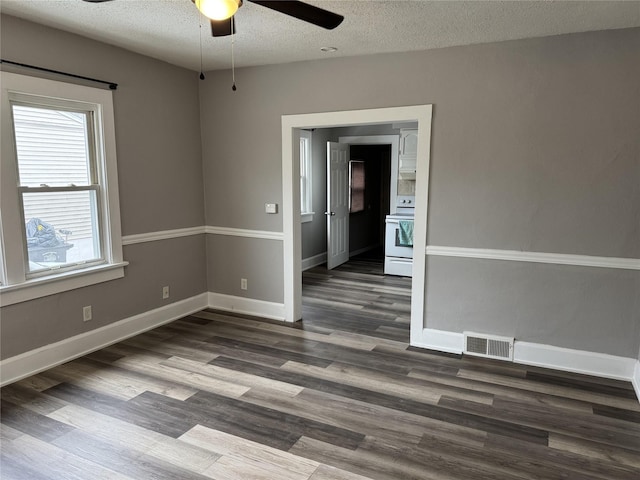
(218, 9)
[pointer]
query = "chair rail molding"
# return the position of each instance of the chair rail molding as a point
(535, 257)
(189, 231)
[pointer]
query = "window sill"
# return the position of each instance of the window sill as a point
(63, 282)
(306, 217)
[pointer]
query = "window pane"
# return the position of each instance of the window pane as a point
(357, 182)
(61, 228)
(52, 146)
(305, 175)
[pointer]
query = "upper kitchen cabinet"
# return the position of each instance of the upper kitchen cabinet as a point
(408, 153)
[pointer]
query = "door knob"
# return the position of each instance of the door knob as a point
(330, 213)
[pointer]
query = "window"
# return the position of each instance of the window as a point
(60, 215)
(356, 186)
(306, 197)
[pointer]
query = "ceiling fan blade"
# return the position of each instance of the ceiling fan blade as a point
(304, 11)
(223, 28)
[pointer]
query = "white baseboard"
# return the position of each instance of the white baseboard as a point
(29, 363)
(247, 306)
(314, 261)
(636, 379)
(547, 356)
(577, 361)
(441, 340)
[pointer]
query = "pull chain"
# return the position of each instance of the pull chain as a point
(200, 22)
(233, 64)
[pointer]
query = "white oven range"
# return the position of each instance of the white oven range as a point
(398, 257)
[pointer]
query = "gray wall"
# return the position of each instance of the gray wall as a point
(160, 180)
(594, 309)
(535, 147)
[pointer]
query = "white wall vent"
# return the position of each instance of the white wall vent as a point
(489, 346)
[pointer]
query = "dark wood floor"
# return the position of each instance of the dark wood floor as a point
(338, 397)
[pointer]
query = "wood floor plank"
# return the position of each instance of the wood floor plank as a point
(271, 418)
(571, 465)
(506, 461)
(12, 469)
(31, 423)
(122, 410)
(31, 399)
(426, 462)
(224, 444)
(605, 431)
(325, 472)
(271, 351)
(56, 462)
(8, 433)
(38, 382)
(136, 439)
(567, 392)
(415, 389)
(239, 468)
(178, 376)
(390, 424)
(364, 462)
(95, 378)
(209, 413)
(120, 459)
(167, 347)
(392, 401)
(376, 383)
(227, 375)
(622, 390)
(585, 448)
(518, 394)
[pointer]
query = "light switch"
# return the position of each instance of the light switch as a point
(271, 207)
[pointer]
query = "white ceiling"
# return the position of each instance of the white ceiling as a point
(169, 29)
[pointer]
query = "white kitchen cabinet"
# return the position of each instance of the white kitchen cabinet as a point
(408, 153)
(409, 142)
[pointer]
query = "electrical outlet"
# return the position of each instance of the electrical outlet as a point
(165, 292)
(243, 283)
(86, 313)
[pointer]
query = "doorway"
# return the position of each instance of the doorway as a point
(292, 269)
(366, 226)
(378, 152)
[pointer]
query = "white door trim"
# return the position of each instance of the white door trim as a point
(394, 141)
(291, 191)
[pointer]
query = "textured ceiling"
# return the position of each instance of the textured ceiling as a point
(169, 29)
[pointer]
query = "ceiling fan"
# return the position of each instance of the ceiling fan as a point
(221, 13)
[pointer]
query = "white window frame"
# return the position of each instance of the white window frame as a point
(306, 174)
(16, 285)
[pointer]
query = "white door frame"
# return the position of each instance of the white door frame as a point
(292, 246)
(394, 142)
